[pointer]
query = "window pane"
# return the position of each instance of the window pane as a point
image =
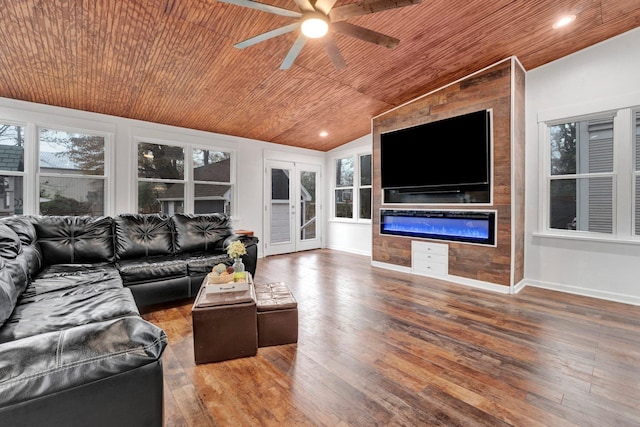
(343, 203)
(365, 169)
(344, 172)
(69, 152)
(160, 161)
(160, 197)
(365, 203)
(11, 195)
(584, 204)
(211, 166)
(212, 198)
(308, 220)
(582, 147)
(11, 148)
(71, 196)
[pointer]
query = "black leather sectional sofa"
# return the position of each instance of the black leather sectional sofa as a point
(73, 347)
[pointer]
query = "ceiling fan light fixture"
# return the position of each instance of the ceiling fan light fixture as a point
(315, 25)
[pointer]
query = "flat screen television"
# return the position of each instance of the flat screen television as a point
(453, 154)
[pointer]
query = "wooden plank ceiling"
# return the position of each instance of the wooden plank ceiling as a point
(173, 61)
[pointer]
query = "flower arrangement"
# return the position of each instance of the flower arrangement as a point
(236, 249)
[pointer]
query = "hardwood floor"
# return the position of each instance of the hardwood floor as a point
(379, 348)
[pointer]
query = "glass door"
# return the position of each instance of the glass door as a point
(292, 221)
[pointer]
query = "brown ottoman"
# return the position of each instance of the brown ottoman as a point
(277, 314)
(224, 326)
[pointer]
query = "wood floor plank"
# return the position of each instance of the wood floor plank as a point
(382, 348)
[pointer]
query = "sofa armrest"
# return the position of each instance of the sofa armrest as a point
(48, 363)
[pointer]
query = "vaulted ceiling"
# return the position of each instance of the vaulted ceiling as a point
(173, 61)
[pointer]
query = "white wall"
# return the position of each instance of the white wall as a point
(250, 153)
(599, 78)
(346, 235)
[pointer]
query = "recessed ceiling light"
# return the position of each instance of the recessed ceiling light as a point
(564, 21)
(324, 134)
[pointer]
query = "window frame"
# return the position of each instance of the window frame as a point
(355, 186)
(362, 186)
(106, 177)
(623, 181)
(188, 179)
(24, 174)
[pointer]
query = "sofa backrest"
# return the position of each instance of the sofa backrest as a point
(13, 271)
(198, 233)
(143, 235)
(75, 239)
(8, 293)
(23, 226)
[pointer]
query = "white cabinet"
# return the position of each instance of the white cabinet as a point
(430, 259)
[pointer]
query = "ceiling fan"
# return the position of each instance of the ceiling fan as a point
(315, 21)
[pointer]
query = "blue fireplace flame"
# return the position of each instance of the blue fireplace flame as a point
(452, 228)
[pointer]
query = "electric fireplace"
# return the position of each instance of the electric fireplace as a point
(459, 226)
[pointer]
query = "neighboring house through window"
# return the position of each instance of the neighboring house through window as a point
(11, 169)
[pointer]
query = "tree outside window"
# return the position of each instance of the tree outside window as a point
(72, 175)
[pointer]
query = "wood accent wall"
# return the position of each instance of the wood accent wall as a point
(500, 88)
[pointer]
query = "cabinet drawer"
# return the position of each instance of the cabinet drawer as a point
(429, 248)
(431, 268)
(429, 257)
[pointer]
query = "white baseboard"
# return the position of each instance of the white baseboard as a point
(609, 296)
(351, 251)
(449, 278)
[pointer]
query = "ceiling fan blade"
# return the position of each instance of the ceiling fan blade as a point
(264, 7)
(365, 34)
(293, 52)
(305, 5)
(365, 7)
(325, 6)
(334, 53)
(266, 36)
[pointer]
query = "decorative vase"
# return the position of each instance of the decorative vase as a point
(239, 274)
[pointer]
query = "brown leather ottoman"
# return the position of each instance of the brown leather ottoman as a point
(277, 314)
(224, 326)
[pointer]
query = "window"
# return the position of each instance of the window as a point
(168, 183)
(11, 169)
(161, 182)
(365, 187)
(344, 188)
(212, 181)
(592, 179)
(353, 187)
(581, 181)
(72, 175)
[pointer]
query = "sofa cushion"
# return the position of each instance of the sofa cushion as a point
(202, 262)
(10, 245)
(23, 227)
(56, 314)
(39, 366)
(75, 239)
(197, 233)
(30, 249)
(71, 279)
(151, 269)
(8, 293)
(139, 236)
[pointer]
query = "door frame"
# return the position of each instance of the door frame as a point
(296, 167)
